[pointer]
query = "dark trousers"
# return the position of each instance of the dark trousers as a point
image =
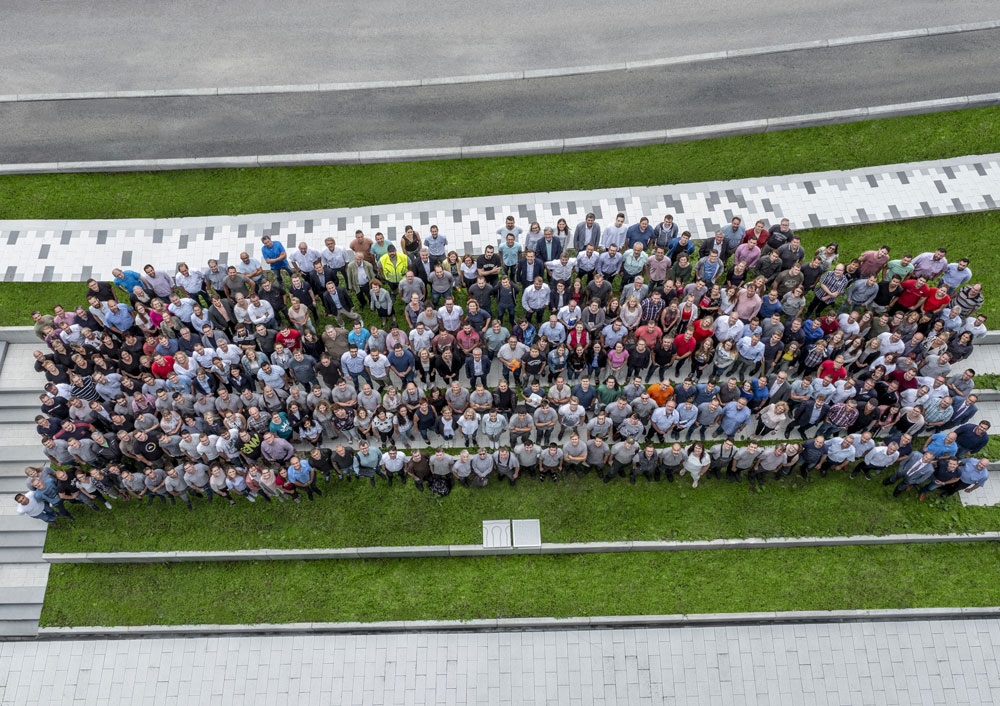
(310, 488)
(618, 469)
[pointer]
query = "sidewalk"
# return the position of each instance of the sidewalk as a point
(58, 250)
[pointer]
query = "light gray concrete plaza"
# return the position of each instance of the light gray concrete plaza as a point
(907, 663)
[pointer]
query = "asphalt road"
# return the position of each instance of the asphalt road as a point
(99, 45)
(485, 113)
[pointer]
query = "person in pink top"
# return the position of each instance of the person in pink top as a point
(748, 252)
(747, 303)
(873, 262)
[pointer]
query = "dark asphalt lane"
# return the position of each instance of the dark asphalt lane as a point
(487, 113)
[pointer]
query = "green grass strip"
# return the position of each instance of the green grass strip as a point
(214, 192)
(824, 578)
(574, 510)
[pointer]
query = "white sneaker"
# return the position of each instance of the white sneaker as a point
(108, 505)
(251, 498)
(695, 484)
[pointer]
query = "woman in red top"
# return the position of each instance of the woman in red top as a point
(703, 328)
(578, 336)
(759, 233)
(937, 300)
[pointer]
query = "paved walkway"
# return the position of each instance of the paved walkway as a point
(23, 573)
(75, 250)
(921, 662)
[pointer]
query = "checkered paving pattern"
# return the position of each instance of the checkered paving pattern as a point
(44, 251)
(920, 662)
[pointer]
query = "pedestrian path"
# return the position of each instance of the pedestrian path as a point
(65, 250)
(23, 572)
(913, 662)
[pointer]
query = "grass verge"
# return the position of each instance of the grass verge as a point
(571, 511)
(214, 192)
(822, 578)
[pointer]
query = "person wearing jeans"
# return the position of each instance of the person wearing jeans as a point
(31, 505)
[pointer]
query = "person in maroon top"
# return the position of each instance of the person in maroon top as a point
(759, 234)
(907, 379)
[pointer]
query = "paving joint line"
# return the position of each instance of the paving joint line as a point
(517, 75)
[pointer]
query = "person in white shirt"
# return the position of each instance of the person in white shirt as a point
(450, 316)
(302, 258)
(615, 234)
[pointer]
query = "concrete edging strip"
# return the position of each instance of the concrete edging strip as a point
(467, 550)
(525, 74)
(693, 620)
(554, 146)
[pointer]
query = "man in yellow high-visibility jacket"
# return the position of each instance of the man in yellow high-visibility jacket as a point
(394, 268)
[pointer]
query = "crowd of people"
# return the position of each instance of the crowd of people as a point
(622, 349)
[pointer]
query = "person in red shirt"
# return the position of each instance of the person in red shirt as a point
(759, 233)
(829, 323)
(834, 368)
(915, 292)
(162, 365)
(703, 328)
(936, 300)
(650, 333)
(289, 337)
(685, 345)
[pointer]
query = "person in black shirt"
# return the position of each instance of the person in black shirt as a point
(504, 398)
(342, 459)
(489, 265)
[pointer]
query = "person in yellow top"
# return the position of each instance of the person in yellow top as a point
(394, 267)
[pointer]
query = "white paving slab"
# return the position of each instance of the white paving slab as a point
(920, 662)
(63, 250)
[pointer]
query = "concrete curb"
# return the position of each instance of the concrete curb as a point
(527, 74)
(555, 146)
(467, 550)
(693, 620)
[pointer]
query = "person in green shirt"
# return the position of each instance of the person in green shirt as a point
(901, 267)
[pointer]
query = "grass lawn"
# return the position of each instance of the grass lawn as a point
(264, 190)
(556, 586)
(571, 511)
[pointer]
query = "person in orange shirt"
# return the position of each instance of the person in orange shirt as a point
(661, 392)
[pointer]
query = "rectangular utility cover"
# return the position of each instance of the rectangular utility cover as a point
(527, 533)
(496, 534)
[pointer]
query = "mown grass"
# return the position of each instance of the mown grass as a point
(214, 192)
(575, 510)
(819, 578)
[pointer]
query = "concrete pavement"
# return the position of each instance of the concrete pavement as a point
(69, 45)
(723, 91)
(920, 662)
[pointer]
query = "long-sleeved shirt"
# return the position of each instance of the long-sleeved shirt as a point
(536, 298)
(753, 352)
(879, 457)
(365, 464)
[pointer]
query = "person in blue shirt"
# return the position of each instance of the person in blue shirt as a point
(274, 254)
(127, 280)
(942, 444)
(403, 363)
(302, 475)
(735, 416)
(734, 233)
(639, 233)
(972, 438)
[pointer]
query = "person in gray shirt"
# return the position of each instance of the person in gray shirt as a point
(645, 462)
(457, 398)
(671, 460)
(551, 461)
(768, 462)
(600, 426)
(545, 419)
(527, 457)
(575, 455)
(598, 455)
(644, 406)
(196, 476)
(619, 411)
(622, 454)
(709, 414)
(722, 456)
(482, 465)
(495, 336)
(746, 458)
(507, 464)
(462, 468)
(175, 485)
